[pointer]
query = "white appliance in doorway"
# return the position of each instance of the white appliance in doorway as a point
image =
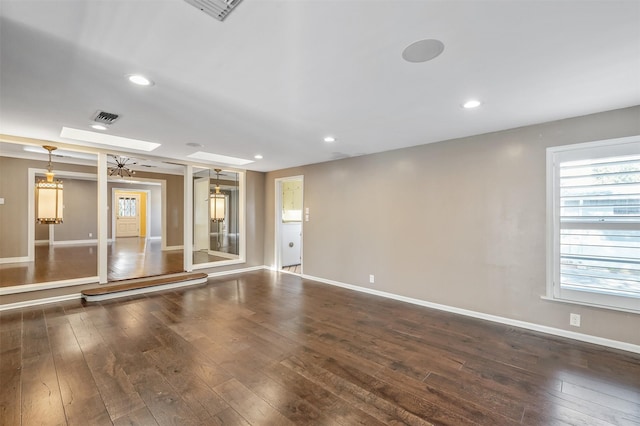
(289, 205)
(290, 243)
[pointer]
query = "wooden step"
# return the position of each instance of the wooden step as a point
(135, 286)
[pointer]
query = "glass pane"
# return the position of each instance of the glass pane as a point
(606, 261)
(216, 215)
(607, 188)
(599, 259)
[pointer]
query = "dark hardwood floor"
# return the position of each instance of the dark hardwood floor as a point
(126, 258)
(266, 348)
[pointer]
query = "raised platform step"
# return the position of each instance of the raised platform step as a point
(135, 286)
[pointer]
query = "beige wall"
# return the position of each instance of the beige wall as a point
(175, 205)
(255, 203)
(14, 212)
(80, 218)
(463, 222)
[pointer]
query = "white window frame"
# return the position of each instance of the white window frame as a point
(555, 155)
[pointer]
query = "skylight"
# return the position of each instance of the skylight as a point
(218, 159)
(106, 139)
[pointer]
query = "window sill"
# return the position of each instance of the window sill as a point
(592, 305)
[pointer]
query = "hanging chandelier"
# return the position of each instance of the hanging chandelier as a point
(218, 201)
(120, 168)
(49, 196)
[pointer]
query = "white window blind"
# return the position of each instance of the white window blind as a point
(596, 224)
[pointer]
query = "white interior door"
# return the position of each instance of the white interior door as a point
(128, 215)
(201, 214)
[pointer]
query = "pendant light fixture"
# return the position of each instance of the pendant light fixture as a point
(218, 201)
(49, 196)
(120, 168)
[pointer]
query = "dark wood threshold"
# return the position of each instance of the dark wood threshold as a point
(122, 288)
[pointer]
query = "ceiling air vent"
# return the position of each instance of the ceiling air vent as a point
(105, 117)
(219, 9)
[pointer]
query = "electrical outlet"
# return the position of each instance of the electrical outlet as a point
(90, 235)
(372, 279)
(574, 320)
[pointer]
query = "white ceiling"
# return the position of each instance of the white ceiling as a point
(277, 76)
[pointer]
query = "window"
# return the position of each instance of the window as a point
(594, 218)
(126, 207)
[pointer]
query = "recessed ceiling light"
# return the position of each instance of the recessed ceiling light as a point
(258, 157)
(98, 127)
(471, 104)
(423, 50)
(217, 158)
(107, 139)
(140, 80)
(329, 139)
(194, 144)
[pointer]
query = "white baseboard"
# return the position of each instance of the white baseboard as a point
(44, 301)
(168, 248)
(616, 344)
(41, 242)
(25, 288)
(74, 242)
(223, 254)
(236, 271)
(14, 259)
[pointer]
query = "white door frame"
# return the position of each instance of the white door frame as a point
(142, 181)
(278, 222)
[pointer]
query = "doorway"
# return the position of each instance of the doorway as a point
(289, 215)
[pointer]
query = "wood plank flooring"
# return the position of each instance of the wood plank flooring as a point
(268, 348)
(126, 258)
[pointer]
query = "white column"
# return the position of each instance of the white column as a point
(103, 217)
(188, 218)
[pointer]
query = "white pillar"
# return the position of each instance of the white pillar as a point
(188, 218)
(103, 217)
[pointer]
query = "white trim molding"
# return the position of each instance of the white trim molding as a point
(74, 242)
(36, 302)
(616, 344)
(236, 271)
(20, 259)
(25, 288)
